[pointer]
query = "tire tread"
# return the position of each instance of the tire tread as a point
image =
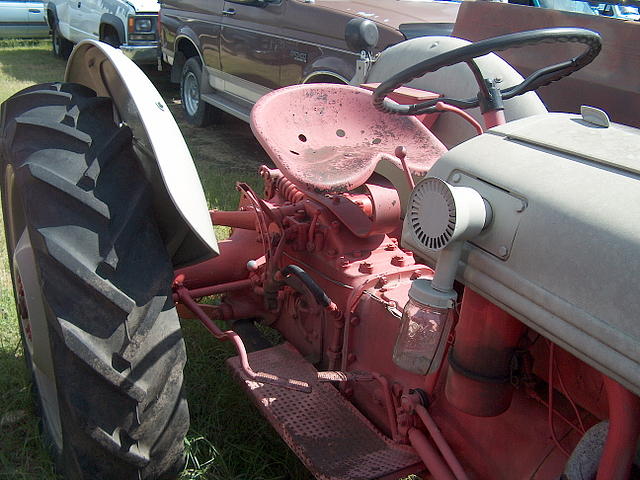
(118, 349)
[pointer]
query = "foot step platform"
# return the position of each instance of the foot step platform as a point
(331, 437)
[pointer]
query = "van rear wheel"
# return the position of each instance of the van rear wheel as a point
(92, 284)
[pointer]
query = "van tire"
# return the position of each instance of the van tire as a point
(197, 112)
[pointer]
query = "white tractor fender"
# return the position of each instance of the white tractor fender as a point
(179, 201)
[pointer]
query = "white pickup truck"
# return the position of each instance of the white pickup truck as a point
(130, 25)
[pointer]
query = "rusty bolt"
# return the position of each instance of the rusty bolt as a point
(382, 281)
(355, 321)
(398, 261)
(389, 247)
(416, 274)
(351, 357)
(365, 267)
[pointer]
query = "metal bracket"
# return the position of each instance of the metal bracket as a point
(363, 65)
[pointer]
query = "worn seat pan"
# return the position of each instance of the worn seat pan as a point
(329, 138)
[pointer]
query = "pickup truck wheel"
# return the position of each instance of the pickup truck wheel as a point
(92, 283)
(197, 111)
(60, 46)
(112, 39)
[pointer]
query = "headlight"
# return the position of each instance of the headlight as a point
(143, 25)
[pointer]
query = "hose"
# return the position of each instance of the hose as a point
(320, 296)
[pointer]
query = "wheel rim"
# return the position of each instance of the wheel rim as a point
(191, 93)
(31, 316)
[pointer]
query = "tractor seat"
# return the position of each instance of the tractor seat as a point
(328, 138)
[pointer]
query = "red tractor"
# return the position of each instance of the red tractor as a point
(457, 310)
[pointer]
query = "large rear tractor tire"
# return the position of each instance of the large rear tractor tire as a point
(92, 283)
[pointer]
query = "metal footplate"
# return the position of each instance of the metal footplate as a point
(332, 438)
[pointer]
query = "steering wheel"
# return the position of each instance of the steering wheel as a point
(468, 53)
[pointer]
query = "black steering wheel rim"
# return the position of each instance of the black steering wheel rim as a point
(468, 53)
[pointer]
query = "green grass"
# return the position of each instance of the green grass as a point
(25, 62)
(228, 438)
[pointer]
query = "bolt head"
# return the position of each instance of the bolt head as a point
(365, 267)
(398, 261)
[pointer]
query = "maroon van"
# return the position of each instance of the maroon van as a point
(227, 54)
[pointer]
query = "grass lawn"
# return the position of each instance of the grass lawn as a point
(228, 438)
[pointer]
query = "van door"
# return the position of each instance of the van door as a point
(251, 47)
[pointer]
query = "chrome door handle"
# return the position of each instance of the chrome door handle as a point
(229, 12)
(34, 10)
